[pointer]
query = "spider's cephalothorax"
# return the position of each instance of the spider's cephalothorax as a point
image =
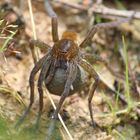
(65, 54)
(66, 48)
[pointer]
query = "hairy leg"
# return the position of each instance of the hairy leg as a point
(96, 58)
(91, 94)
(72, 72)
(53, 15)
(93, 86)
(39, 44)
(55, 29)
(31, 83)
(42, 76)
(99, 26)
(51, 72)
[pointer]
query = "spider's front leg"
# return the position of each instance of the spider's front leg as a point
(72, 72)
(98, 26)
(93, 73)
(54, 23)
(39, 44)
(55, 29)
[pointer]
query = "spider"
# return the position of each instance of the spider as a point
(63, 68)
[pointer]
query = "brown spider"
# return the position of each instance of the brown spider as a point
(63, 67)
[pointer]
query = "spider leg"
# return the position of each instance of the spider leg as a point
(39, 44)
(96, 58)
(98, 26)
(72, 72)
(91, 94)
(54, 21)
(93, 86)
(42, 76)
(55, 29)
(51, 72)
(31, 83)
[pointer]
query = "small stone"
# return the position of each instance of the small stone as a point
(97, 100)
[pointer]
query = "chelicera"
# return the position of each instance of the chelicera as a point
(63, 67)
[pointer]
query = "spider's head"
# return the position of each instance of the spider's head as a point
(66, 48)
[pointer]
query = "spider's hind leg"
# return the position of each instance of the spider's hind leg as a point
(31, 83)
(97, 58)
(94, 85)
(42, 77)
(91, 94)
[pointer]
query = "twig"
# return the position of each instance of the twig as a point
(124, 111)
(9, 90)
(134, 80)
(34, 31)
(32, 19)
(102, 10)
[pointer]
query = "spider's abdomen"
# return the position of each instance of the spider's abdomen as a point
(57, 84)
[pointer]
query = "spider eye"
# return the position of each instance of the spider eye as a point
(65, 46)
(62, 52)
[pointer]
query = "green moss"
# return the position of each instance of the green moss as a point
(8, 132)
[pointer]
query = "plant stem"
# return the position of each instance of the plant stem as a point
(127, 89)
